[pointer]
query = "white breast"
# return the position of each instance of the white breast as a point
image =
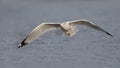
(65, 26)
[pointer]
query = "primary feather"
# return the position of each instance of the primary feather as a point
(36, 32)
(89, 24)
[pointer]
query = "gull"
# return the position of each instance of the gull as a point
(69, 28)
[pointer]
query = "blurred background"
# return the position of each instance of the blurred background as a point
(87, 49)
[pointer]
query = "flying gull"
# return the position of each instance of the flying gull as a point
(69, 28)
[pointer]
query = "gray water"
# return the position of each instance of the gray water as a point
(87, 49)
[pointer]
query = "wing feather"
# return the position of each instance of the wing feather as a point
(36, 32)
(89, 24)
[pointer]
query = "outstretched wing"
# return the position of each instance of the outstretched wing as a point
(36, 32)
(89, 24)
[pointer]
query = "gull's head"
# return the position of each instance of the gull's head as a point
(70, 33)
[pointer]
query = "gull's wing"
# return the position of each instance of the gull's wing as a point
(89, 24)
(36, 32)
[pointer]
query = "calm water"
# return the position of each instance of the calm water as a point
(87, 49)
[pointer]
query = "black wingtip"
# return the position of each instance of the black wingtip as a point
(21, 45)
(109, 34)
